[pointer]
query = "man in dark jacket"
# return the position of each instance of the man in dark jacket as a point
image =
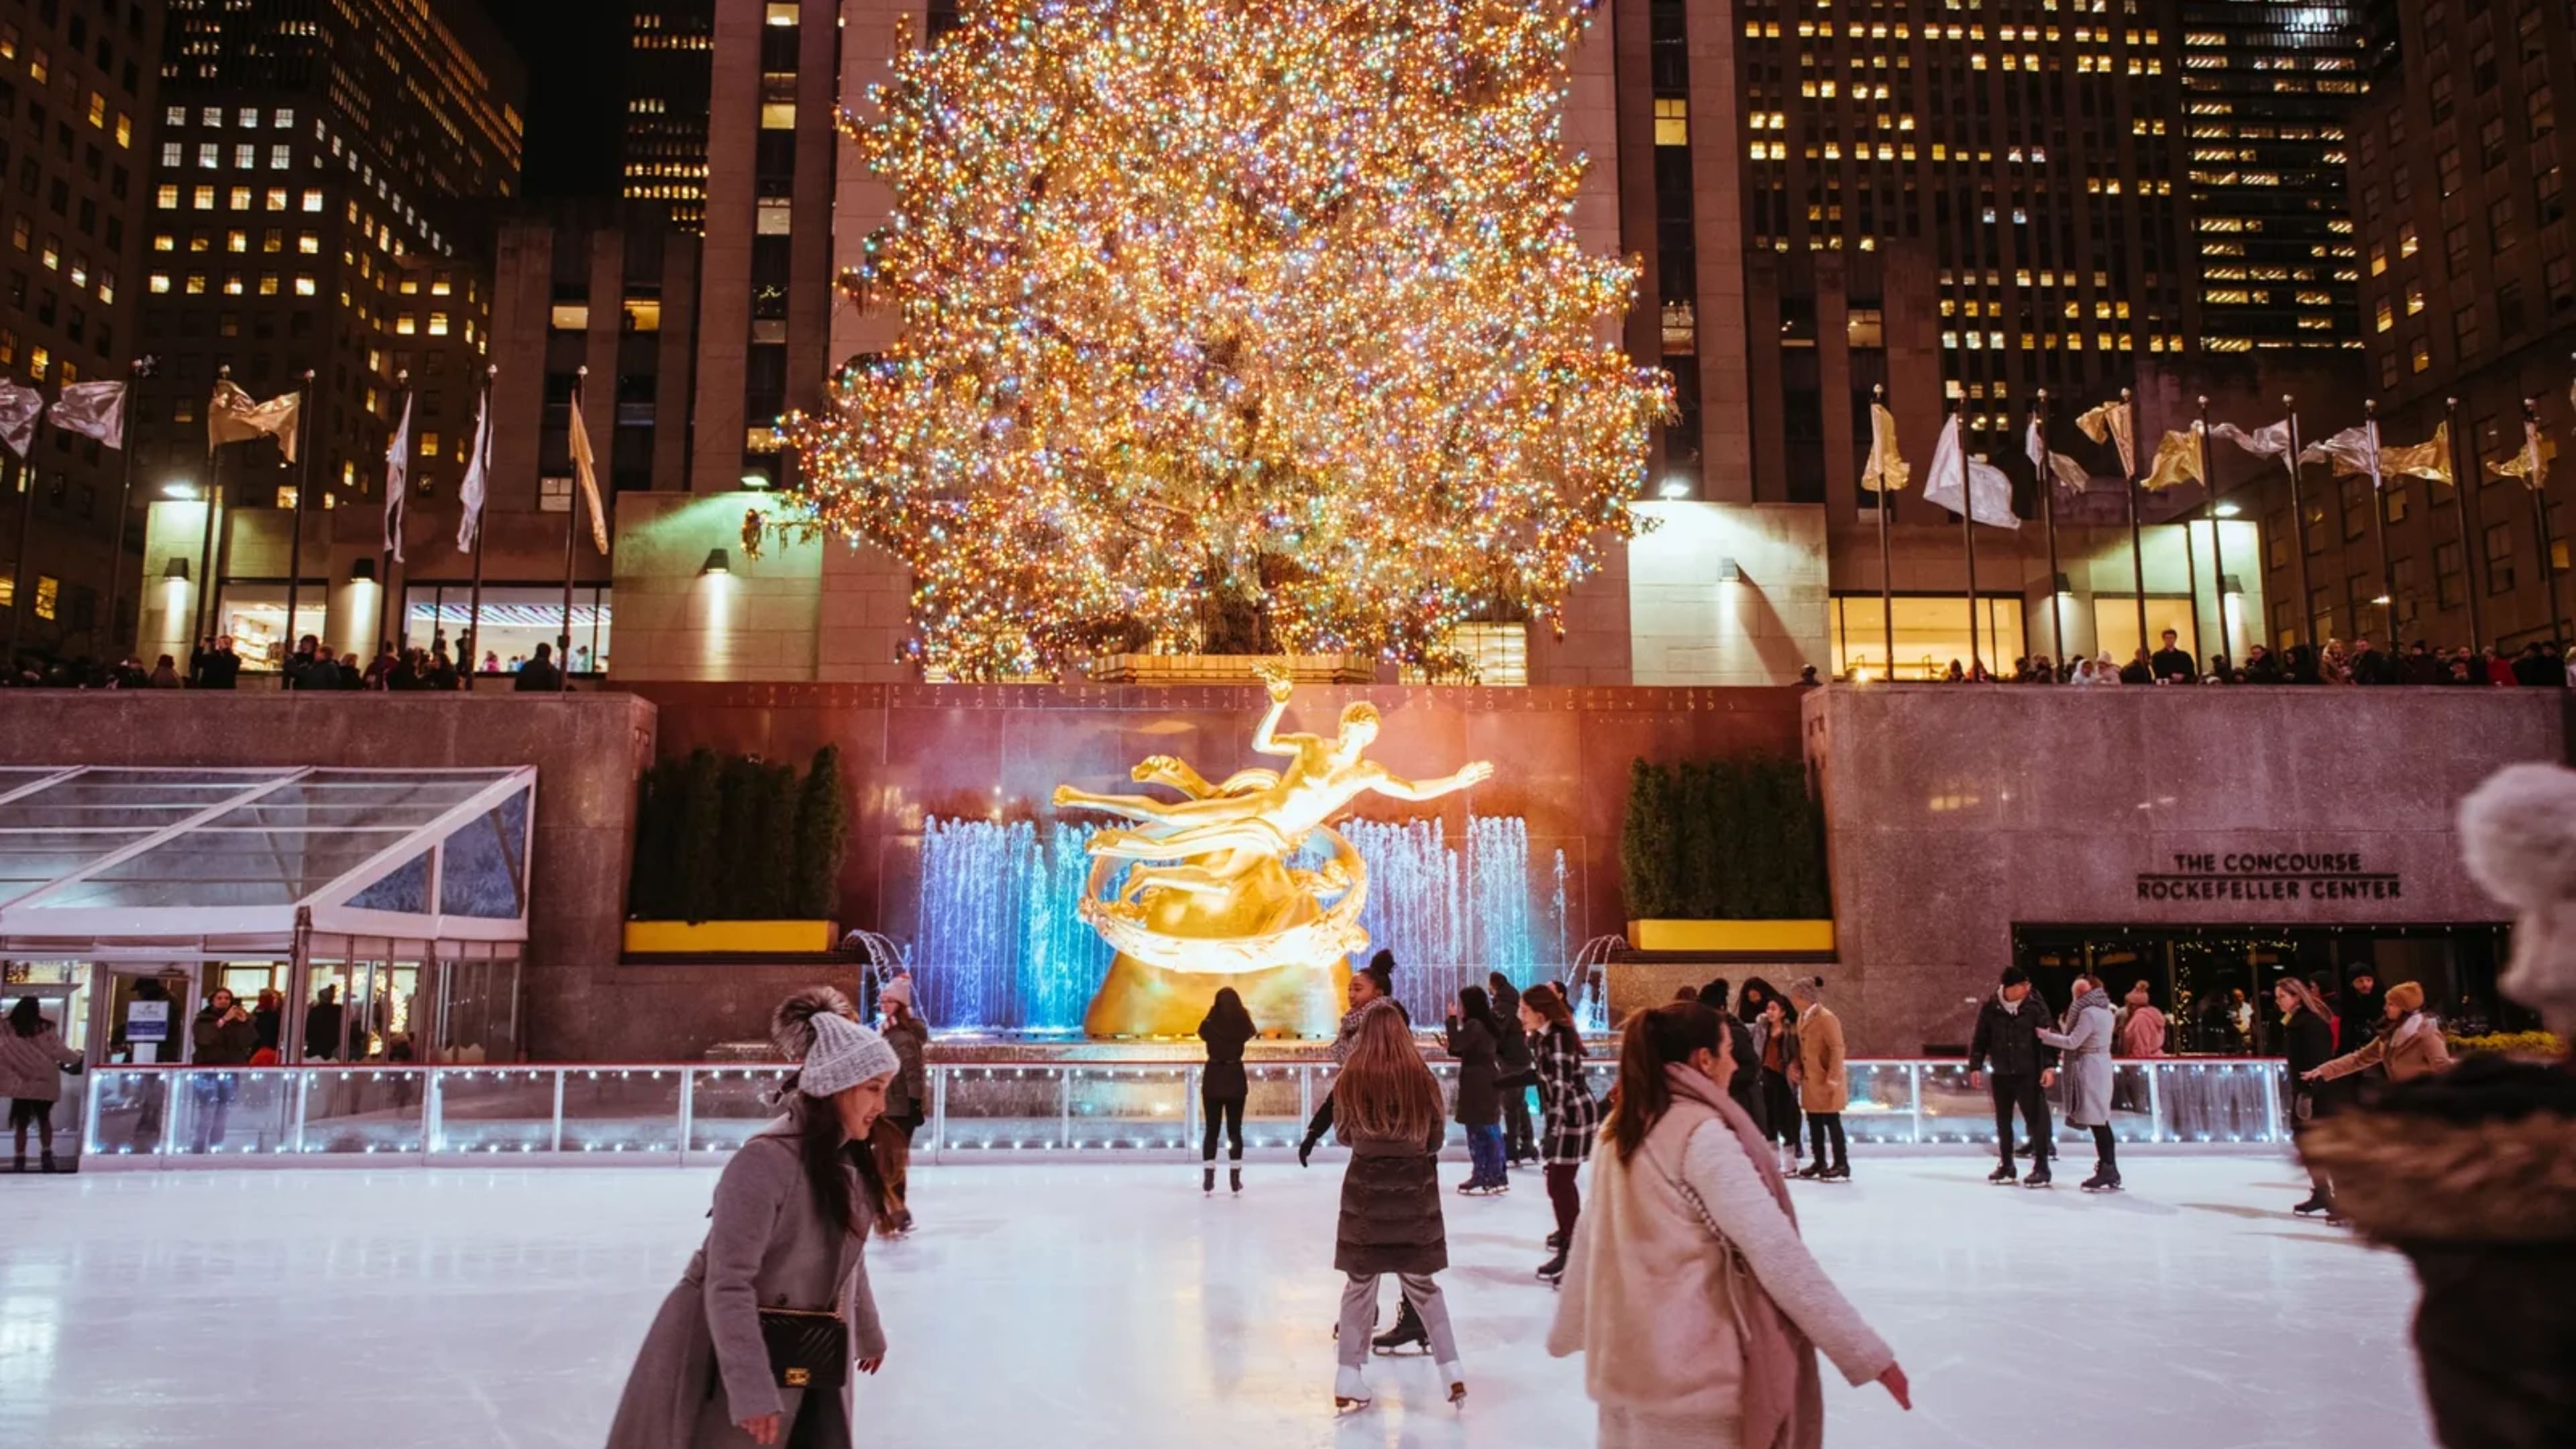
(1746, 1086)
(1514, 1074)
(2170, 664)
(539, 675)
(2369, 666)
(2025, 1067)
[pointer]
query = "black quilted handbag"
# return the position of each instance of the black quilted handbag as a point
(807, 1349)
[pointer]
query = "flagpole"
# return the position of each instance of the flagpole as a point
(1968, 536)
(572, 517)
(385, 553)
(2378, 520)
(223, 543)
(1886, 569)
(124, 502)
(2137, 547)
(303, 486)
(2460, 481)
(2048, 521)
(2191, 555)
(206, 555)
(2539, 479)
(22, 594)
(2217, 549)
(2299, 530)
(474, 608)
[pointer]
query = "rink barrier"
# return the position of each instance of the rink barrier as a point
(979, 1110)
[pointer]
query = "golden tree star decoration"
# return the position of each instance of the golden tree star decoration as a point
(1225, 305)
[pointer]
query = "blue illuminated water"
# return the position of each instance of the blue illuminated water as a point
(998, 946)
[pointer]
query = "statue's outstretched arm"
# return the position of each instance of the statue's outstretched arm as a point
(1403, 789)
(1264, 741)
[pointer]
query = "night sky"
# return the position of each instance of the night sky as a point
(573, 50)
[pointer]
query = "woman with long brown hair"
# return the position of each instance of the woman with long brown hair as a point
(1387, 1110)
(755, 1345)
(1695, 1305)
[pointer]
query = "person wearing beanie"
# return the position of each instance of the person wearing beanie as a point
(788, 1233)
(2411, 1046)
(2023, 1068)
(907, 1102)
(1823, 1082)
(2471, 1172)
(2142, 1026)
(1370, 985)
(2085, 1044)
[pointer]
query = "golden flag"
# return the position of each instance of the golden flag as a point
(2112, 422)
(2531, 465)
(1885, 472)
(2428, 459)
(2177, 462)
(232, 417)
(586, 469)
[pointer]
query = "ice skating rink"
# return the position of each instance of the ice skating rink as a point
(1110, 1305)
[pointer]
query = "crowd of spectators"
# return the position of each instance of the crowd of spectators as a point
(2538, 666)
(215, 664)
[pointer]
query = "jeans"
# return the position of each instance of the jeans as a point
(1520, 1137)
(2021, 1089)
(1359, 1316)
(214, 1093)
(1485, 1150)
(1221, 1111)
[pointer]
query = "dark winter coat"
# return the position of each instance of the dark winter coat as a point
(2472, 1174)
(223, 1043)
(1480, 1104)
(908, 1095)
(1565, 1097)
(2007, 1041)
(1224, 1075)
(1745, 1087)
(1512, 1053)
(2308, 1042)
(1391, 1206)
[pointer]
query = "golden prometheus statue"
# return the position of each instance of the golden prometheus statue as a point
(1209, 898)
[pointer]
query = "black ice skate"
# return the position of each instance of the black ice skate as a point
(2103, 1180)
(1407, 1333)
(2004, 1176)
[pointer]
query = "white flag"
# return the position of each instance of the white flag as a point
(1988, 488)
(470, 493)
(19, 409)
(2070, 475)
(2113, 422)
(397, 482)
(2265, 442)
(93, 410)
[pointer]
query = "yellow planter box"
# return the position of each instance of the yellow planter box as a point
(729, 938)
(1742, 937)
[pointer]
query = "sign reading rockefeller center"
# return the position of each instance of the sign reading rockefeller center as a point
(2262, 875)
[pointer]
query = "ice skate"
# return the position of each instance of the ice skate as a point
(1553, 1270)
(1407, 1333)
(2004, 1176)
(2103, 1179)
(1839, 1172)
(2317, 1202)
(1234, 1179)
(1456, 1374)
(1350, 1391)
(2040, 1177)
(1207, 1182)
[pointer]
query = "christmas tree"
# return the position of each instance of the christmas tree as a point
(1228, 310)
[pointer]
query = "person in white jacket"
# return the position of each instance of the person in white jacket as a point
(1696, 1307)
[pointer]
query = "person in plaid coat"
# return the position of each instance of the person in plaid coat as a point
(1573, 1114)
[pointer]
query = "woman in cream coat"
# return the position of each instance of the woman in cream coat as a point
(1690, 1296)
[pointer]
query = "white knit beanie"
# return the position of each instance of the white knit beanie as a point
(2518, 839)
(844, 1054)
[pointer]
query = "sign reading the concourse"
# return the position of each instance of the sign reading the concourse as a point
(2269, 875)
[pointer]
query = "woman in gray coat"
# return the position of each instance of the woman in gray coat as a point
(2085, 1041)
(790, 1231)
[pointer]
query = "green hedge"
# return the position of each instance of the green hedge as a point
(1737, 839)
(732, 838)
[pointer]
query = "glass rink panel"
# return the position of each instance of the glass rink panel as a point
(225, 1116)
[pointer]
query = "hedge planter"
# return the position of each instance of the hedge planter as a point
(731, 938)
(1734, 938)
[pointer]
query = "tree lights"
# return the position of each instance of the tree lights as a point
(1229, 309)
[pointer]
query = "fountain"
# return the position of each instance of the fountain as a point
(1000, 944)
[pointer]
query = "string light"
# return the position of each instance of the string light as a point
(1216, 311)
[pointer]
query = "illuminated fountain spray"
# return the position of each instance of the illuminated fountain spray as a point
(999, 946)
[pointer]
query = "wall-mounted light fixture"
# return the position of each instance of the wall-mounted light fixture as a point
(2232, 584)
(363, 571)
(755, 481)
(177, 572)
(717, 563)
(1729, 571)
(179, 488)
(2065, 585)
(1673, 487)
(2227, 510)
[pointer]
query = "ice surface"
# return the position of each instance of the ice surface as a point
(1109, 1304)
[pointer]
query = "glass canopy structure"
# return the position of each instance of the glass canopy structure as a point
(363, 914)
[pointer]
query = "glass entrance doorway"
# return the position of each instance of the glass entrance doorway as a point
(2214, 983)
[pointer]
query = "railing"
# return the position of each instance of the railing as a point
(218, 1116)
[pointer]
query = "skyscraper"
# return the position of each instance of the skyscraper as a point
(312, 210)
(669, 66)
(77, 88)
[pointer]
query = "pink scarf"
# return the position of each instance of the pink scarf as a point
(1783, 1399)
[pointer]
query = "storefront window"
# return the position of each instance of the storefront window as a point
(1930, 633)
(255, 616)
(2115, 624)
(515, 620)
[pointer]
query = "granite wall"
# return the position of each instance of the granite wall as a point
(1954, 813)
(913, 751)
(587, 749)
